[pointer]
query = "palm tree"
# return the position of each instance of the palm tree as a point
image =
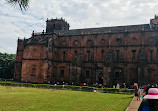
(23, 4)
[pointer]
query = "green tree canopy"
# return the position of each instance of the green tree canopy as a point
(6, 65)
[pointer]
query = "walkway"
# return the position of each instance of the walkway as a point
(134, 105)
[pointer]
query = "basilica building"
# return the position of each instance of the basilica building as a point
(106, 55)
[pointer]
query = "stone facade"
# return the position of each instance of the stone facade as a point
(108, 55)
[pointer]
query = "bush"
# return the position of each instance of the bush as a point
(58, 86)
(75, 88)
(69, 87)
(8, 84)
(26, 84)
(110, 90)
(41, 85)
(89, 89)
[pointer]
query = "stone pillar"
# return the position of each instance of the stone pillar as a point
(106, 71)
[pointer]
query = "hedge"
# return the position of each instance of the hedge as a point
(71, 87)
(86, 88)
(68, 87)
(110, 90)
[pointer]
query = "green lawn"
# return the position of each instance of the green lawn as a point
(35, 99)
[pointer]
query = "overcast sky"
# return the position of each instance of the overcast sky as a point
(78, 13)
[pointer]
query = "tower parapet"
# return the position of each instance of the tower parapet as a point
(154, 22)
(56, 24)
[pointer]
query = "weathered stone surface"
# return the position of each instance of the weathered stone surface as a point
(83, 55)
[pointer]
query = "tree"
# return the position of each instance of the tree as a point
(23, 4)
(6, 65)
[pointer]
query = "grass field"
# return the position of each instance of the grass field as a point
(35, 99)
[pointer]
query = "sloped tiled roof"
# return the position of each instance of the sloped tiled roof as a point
(129, 28)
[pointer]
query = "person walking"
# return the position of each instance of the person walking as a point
(139, 93)
(136, 90)
(150, 102)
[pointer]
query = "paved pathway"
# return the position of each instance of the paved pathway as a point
(134, 105)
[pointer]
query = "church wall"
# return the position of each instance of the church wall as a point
(53, 62)
(150, 38)
(35, 52)
(154, 52)
(131, 73)
(17, 71)
(134, 38)
(34, 71)
(125, 47)
(152, 76)
(18, 62)
(62, 72)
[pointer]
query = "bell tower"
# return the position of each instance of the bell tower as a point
(56, 24)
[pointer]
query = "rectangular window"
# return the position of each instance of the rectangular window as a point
(117, 55)
(33, 72)
(62, 73)
(102, 53)
(157, 55)
(88, 55)
(117, 75)
(75, 52)
(133, 55)
(87, 73)
(54, 26)
(151, 55)
(53, 74)
(63, 55)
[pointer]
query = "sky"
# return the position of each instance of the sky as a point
(79, 14)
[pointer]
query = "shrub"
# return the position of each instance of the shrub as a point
(69, 87)
(89, 89)
(26, 84)
(8, 84)
(42, 85)
(110, 90)
(75, 88)
(57, 86)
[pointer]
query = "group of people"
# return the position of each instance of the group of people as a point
(138, 91)
(149, 96)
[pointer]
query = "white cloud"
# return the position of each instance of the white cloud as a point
(78, 13)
